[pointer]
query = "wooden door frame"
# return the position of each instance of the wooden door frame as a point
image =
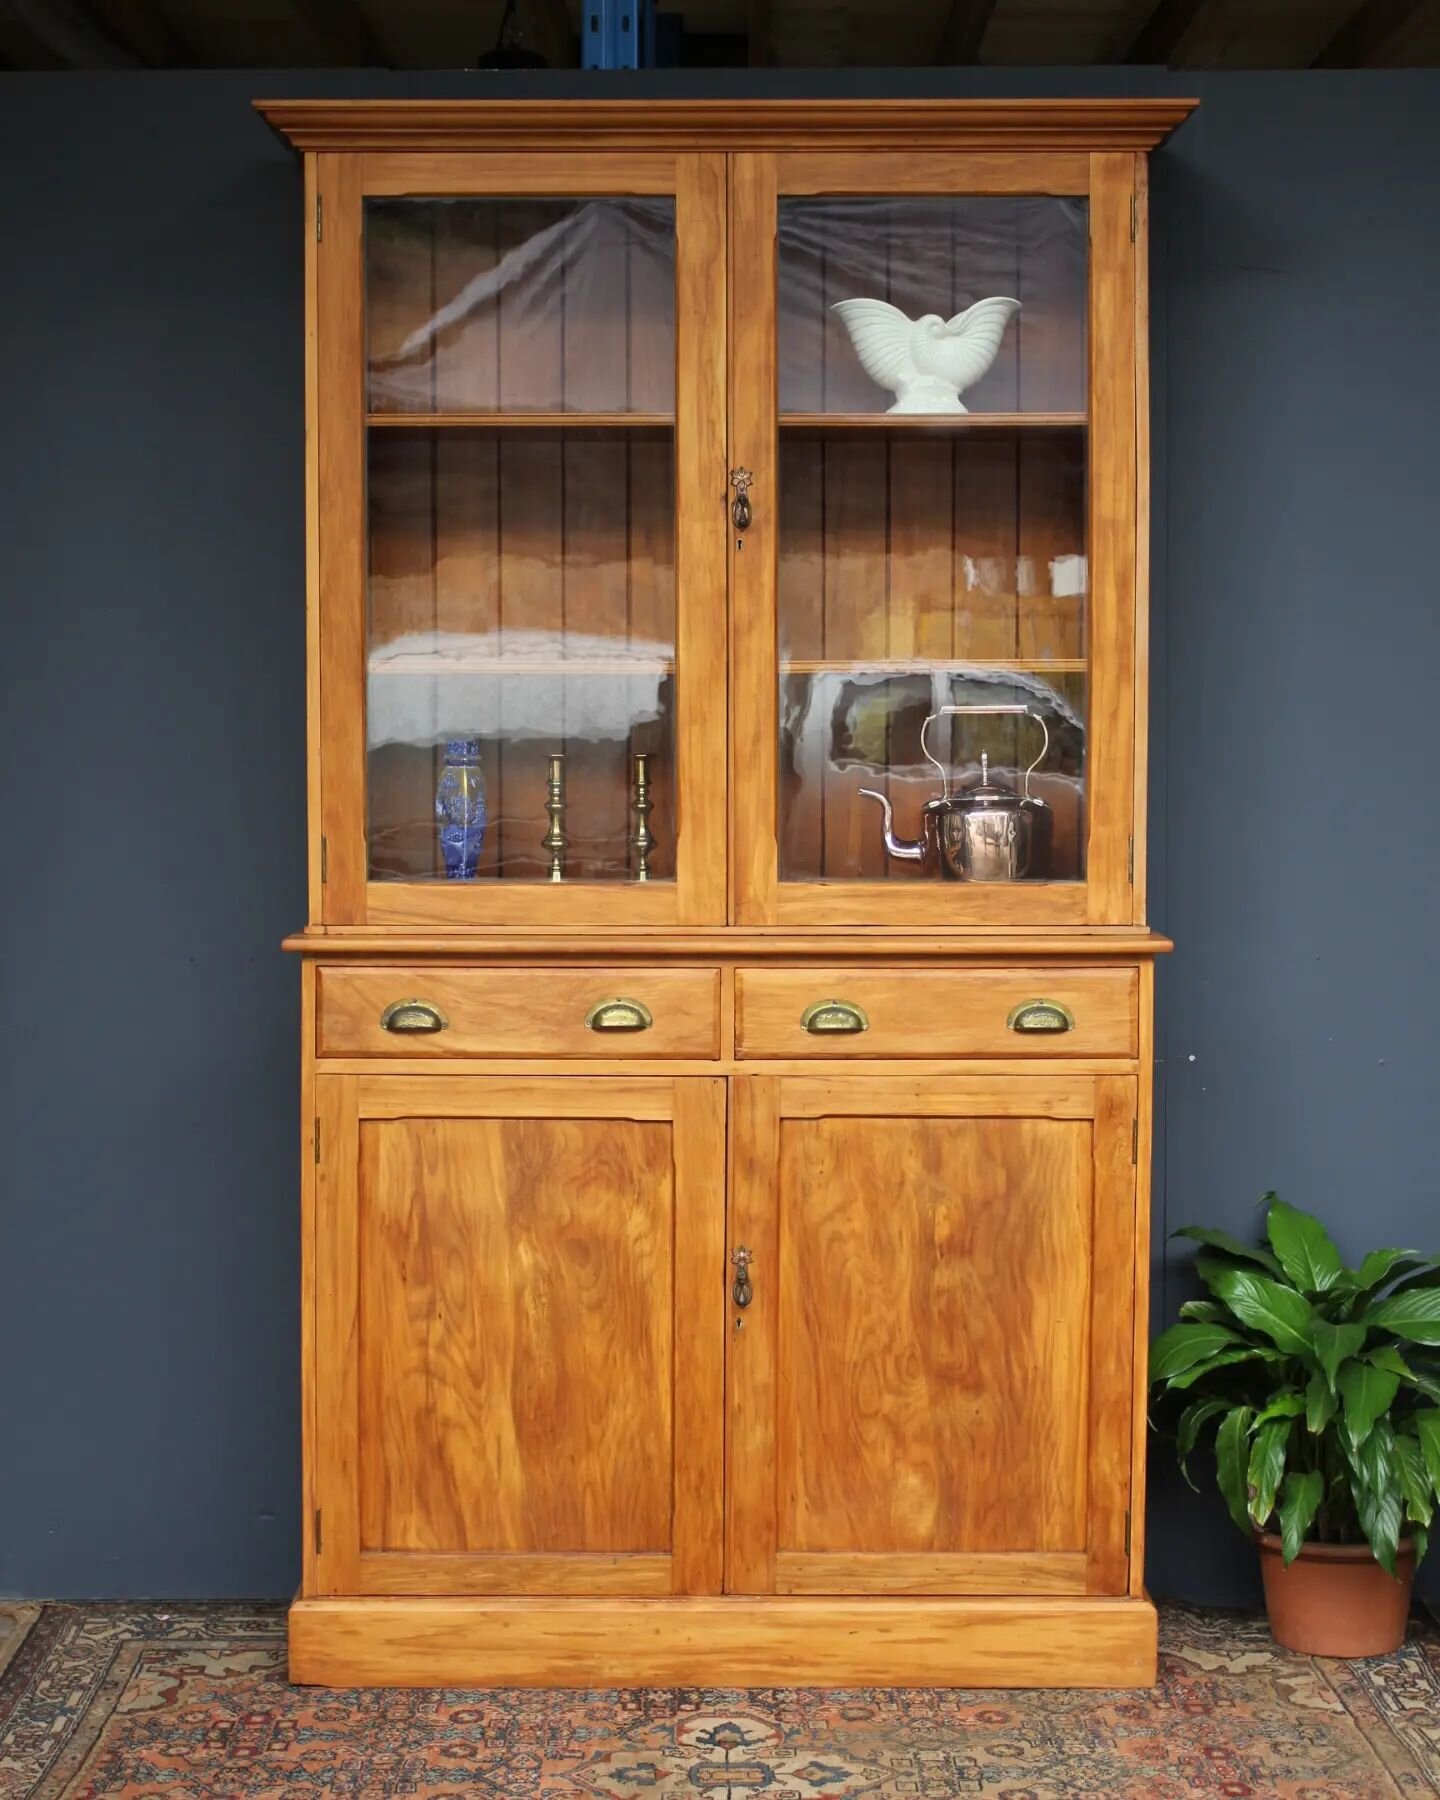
(341, 893)
(1116, 681)
(694, 1105)
(755, 1561)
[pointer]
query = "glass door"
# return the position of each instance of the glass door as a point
(934, 598)
(534, 407)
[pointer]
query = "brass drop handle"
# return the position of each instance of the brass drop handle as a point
(418, 1016)
(619, 1015)
(1041, 1015)
(740, 512)
(840, 1016)
(742, 1293)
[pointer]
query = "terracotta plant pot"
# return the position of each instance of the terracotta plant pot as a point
(1335, 1599)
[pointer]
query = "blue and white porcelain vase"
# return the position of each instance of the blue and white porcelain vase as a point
(460, 808)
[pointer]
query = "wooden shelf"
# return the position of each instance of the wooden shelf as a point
(885, 421)
(521, 421)
(525, 665)
(931, 665)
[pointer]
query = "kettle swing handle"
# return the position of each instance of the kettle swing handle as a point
(1012, 711)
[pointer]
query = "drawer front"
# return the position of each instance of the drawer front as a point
(947, 1012)
(443, 1012)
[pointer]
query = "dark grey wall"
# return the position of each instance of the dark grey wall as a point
(151, 576)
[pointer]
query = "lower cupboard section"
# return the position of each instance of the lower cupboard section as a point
(700, 1377)
(722, 1642)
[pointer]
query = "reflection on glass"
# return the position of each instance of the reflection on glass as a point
(521, 601)
(934, 258)
(921, 570)
(520, 305)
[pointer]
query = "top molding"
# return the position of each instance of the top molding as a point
(340, 125)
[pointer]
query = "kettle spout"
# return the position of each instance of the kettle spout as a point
(899, 848)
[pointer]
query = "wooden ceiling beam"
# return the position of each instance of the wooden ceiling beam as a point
(146, 31)
(963, 32)
(1163, 32)
(344, 30)
(72, 33)
(1366, 33)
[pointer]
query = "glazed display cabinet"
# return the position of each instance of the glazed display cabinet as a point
(727, 991)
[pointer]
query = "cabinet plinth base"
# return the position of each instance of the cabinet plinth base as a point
(730, 1641)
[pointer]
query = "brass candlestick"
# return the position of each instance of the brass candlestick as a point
(555, 840)
(642, 839)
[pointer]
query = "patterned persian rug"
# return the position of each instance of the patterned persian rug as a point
(189, 1702)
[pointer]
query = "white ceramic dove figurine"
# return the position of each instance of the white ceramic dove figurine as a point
(926, 363)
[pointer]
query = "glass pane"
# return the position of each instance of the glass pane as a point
(921, 569)
(932, 555)
(521, 606)
(932, 259)
(520, 305)
(521, 592)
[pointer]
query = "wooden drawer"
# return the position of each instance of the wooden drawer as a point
(947, 1012)
(521, 1012)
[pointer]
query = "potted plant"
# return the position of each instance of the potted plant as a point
(1319, 1386)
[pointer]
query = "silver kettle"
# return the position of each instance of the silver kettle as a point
(983, 833)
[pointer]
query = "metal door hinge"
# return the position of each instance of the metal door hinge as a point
(1130, 862)
(1134, 217)
(324, 860)
(1134, 1139)
(317, 1139)
(1127, 1533)
(320, 220)
(319, 1544)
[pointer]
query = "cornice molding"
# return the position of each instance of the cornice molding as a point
(559, 125)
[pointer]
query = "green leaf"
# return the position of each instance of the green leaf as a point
(1425, 1383)
(1380, 1521)
(1303, 1245)
(1373, 1461)
(1367, 1393)
(1181, 1346)
(1413, 1313)
(1247, 1353)
(1232, 1455)
(1420, 1538)
(1222, 1240)
(1380, 1266)
(1415, 1482)
(1386, 1356)
(1280, 1406)
(1286, 1318)
(1208, 1310)
(1192, 1422)
(1427, 1430)
(1299, 1502)
(1267, 1465)
(1334, 1343)
(1321, 1402)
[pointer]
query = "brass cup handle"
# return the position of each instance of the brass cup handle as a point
(1041, 1015)
(619, 1015)
(839, 1016)
(418, 1016)
(743, 1291)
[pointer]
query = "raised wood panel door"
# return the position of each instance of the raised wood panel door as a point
(930, 1386)
(518, 1335)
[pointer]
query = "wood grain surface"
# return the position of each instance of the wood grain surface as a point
(515, 1334)
(945, 1013)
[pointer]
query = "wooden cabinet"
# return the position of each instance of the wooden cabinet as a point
(727, 992)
